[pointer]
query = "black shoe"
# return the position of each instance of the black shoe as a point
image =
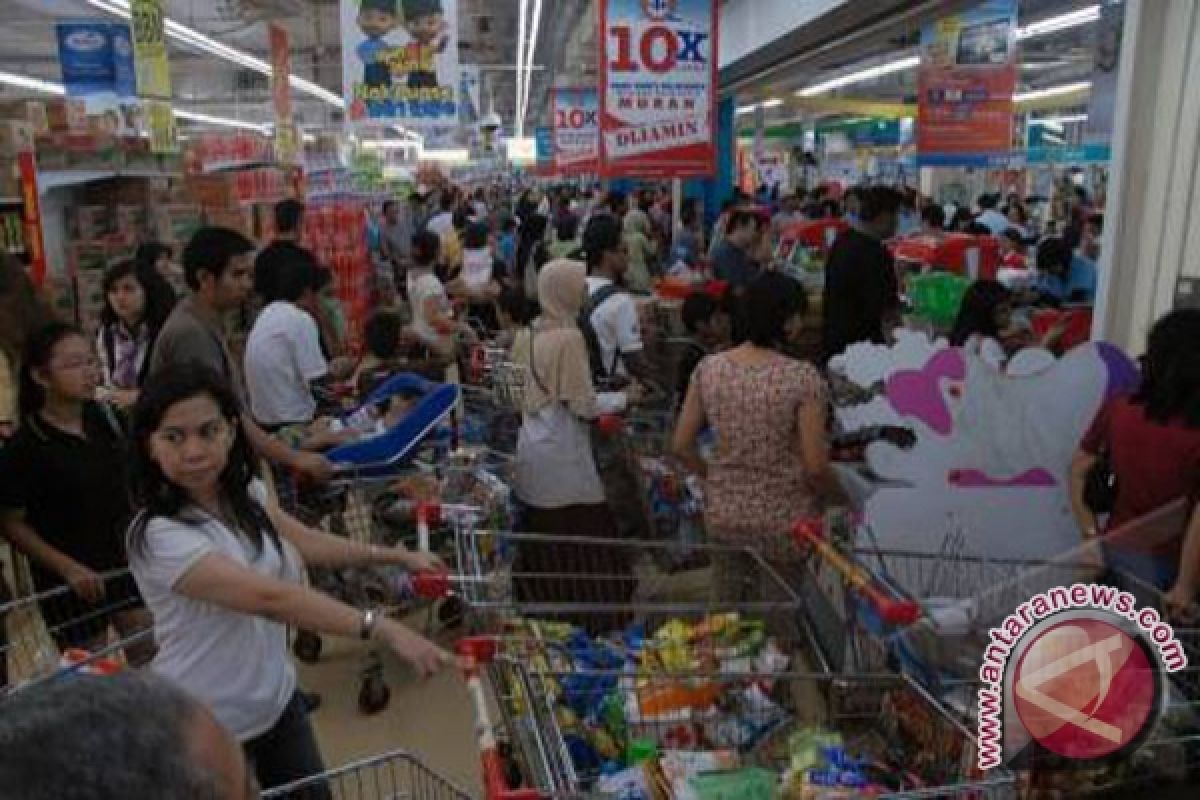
(311, 700)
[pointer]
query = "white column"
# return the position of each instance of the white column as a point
(1152, 220)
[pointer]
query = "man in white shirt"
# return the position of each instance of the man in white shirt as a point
(614, 315)
(443, 222)
(989, 217)
(283, 353)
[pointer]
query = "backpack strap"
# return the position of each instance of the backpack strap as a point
(595, 300)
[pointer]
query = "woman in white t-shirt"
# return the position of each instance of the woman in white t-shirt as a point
(220, 569)
(433, 320)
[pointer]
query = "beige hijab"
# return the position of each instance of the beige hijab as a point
(556, 355)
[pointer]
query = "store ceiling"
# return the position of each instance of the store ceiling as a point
(1050, 60)
(488, 32)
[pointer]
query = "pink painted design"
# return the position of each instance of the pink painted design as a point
(918, 393)
(975, 479)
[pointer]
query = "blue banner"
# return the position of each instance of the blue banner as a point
(96, 58)
(544, 141)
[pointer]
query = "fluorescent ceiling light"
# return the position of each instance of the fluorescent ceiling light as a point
(1052, 91)
(522, 20)
(193, 116)
(198, 41)
(35, 84)
(49, 87)
(774, 102)
(390, 144)
(453, 156)
(1061, 22)
(1055, 139)
(867, 74)
(530, 48)
(1058, 121)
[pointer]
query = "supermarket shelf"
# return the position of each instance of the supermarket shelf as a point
(65, 178)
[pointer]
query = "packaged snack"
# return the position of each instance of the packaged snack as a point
(743, 784)
(628, 784)
(678, 767)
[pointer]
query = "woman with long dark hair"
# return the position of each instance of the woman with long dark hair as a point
(63, 501)
(220, 568)
(530, 251)
(1152, 442)
(137, 301)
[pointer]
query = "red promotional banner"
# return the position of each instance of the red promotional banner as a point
(576, 136)
(965, 84)
(287, 138)
(658, 80)
(32, 217)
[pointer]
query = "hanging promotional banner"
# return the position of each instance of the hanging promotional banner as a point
(658, 80)
(544, 147)
(400, 63)
(965, 86)
(576, 131)
(96, 58)
(287, 137)
(31, 216)
(154, 73)
(1102, 102)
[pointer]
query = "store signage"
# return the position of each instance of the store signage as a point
(1102, 99)
(576, 132)
(96, 58)
(287, 137)
(544, 145)
(965, 85)
(31, 211)
(658, 78)
(400, 64)
(154, 73)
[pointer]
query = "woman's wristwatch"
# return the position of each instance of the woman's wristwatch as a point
(367, 627)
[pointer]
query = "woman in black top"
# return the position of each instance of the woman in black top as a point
(63, 501)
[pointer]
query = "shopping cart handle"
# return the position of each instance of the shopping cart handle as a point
(429, 513)
(610, 424)
(431, 585)
(479, 649)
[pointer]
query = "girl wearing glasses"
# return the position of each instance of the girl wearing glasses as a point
(220, 568)
(63, 501)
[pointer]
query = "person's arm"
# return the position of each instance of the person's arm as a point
(313, 466)
(321, 549)
(1181, 596)
(1081, 464)
(217, 579)
(813, 419)
(84, 581)
(687, 430)
(628, 340)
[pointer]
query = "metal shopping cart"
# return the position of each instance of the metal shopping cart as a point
(598, 660)
(388, 776)
(56, 633)
(928, 616)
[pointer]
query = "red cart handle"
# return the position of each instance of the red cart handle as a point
(431, 585)
(891, 610)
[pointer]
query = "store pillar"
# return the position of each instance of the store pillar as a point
(1150, 258)
(715, 190)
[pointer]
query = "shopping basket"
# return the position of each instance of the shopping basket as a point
(389, 776)
(598, 660)
(56, 633)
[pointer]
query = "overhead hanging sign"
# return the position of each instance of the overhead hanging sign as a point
(658, 78)
(543, 139)
(287, 137)
(96, 58)
(400, 63)
(576, 137)
(965, 85)
(154, 73)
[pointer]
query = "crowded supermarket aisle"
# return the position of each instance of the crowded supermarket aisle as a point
(655, 400)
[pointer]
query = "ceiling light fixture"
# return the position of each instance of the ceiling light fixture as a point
(453, 156)
(774, 102)
(390, 144)
(1050, 122)
(530, 48)
(226, 122)
(522, 19)
(867, 74)
(1052, 91)
(36, 84)
(192, 38)
(1062, 22)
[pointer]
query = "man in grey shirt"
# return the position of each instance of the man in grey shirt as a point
(395, 239)
(217, 268)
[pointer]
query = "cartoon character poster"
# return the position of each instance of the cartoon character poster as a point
(400, 62)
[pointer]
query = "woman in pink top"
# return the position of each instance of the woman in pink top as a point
(769, 413)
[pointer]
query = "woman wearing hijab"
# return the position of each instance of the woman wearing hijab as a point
(639, 242)
(556, 477)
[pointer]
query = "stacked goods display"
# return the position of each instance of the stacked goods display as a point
(335, 229)
(232, 178)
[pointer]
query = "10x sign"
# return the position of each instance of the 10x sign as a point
(658, 83)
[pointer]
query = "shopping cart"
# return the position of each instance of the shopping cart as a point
(56, 633)
(389, 776)
(599, 660)
(928, 616)
(491, 415)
